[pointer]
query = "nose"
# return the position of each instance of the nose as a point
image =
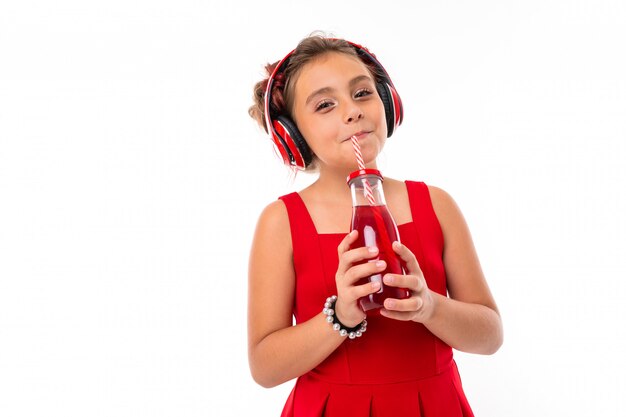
(353, 113)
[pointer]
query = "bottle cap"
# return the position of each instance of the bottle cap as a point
(366, 171)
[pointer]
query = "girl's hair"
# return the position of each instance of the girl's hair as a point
(282, 89)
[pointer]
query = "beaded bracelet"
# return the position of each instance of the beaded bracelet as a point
(351, 332)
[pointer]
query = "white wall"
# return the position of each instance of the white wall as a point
(131, 179)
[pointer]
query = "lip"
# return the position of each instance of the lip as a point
(359, 135)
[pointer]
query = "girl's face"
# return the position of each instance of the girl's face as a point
(334, 98)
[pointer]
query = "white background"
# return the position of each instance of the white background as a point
(131, 179)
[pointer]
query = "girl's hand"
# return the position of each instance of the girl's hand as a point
(348, 274)
(420, 305)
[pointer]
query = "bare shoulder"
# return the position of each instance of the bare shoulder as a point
(275, 214)
(273, 225)
(449, 214)
(443, 203)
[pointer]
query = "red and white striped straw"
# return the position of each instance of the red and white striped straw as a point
(359, 160)
(357, 152)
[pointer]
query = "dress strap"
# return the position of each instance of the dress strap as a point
(300, 220)
(423, 213)
(307, 256)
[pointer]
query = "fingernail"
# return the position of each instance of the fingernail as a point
(380, 264)
(388, 279)
(372, 249)
(375, 285)
(390, 303)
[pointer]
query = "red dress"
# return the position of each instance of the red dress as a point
(397, 368)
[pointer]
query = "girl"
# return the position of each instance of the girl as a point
(313, 102)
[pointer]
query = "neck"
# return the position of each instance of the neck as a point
(331, 183)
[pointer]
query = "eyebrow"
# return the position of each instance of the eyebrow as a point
(325, 90)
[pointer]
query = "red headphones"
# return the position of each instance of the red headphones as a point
(284, 132)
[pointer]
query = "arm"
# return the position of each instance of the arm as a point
(469, 320)
(277, 350)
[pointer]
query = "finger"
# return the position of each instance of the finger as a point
(397, 315)
(408, 257)
(359, 291)
(357, 255)
(412, 304)
(412, 282)
(348, 257)
(357, 272)
(343, 248)
(345, 243)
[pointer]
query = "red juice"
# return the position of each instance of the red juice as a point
(377, 228)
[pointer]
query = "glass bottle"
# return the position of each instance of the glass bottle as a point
(376, 227)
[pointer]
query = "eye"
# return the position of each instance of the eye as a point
(363, 93)
(323, 105)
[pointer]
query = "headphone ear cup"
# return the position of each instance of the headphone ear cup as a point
(392, 104)
(295, 142)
